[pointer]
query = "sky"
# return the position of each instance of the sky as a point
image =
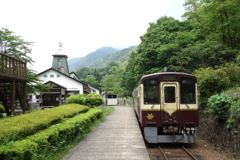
(82, 26)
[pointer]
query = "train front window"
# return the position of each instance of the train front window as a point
(151, 91)
(169, 94)
(187, 91)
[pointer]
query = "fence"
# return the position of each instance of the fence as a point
(11, 67)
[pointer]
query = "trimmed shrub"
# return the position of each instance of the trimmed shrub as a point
(95, 99)
(47, 139)
(19, 150)
(77, 99)
(90, 100)
(18, 127)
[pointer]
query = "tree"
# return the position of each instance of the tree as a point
(83, 72)
(16, 47)
(218, 19)
(132, 73)
(92, 81)
(112, 82)
(34, 84)
(157, 46)
(201, 54)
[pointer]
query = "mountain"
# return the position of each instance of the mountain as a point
(90, 58)
(121, 56)
(73, 60)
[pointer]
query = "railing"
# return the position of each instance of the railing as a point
(12, 68)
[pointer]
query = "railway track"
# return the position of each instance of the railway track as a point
(176, 153)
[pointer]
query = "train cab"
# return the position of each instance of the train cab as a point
(166, 106)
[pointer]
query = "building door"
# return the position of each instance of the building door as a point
(170, 102)
(50, 99)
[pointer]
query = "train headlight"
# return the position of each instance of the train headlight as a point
(193, 130)
(188, 130)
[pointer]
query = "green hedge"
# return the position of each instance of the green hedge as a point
(56, 135)
(18, 127)
(19, 150)
(90, 100)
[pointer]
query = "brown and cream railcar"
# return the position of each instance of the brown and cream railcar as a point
(167, 107)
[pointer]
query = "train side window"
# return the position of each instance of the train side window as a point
(151, 91)
(187, 91)
(169, 94)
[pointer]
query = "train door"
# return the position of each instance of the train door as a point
(170, 102)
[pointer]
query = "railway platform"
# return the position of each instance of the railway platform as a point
(118, 137)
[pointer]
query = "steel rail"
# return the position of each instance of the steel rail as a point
(190, 154)
(164, 155)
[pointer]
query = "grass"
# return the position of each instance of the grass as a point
(57, 153)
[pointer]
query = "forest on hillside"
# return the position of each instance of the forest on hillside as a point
(206, 43)
(207, 39)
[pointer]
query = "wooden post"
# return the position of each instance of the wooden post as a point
(25, 107)
(13, 95)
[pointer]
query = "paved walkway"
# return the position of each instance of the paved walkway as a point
(117, 138)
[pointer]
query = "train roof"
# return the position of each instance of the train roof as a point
(162, 74)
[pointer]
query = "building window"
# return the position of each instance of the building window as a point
(44, 76)
(51, 76)
(58, 75)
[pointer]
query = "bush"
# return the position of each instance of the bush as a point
(234, 118)
(51, 138)
(233, 72)
(2, 109)
(212, 81)
(18, 127)
(77, 99)
(90, 100)
(95, 99)
(219, 106)
(19, 150)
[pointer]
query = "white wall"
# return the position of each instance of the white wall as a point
(94, 89)
(63, 80)
(112, 101)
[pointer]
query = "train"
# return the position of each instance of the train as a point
(166, 106)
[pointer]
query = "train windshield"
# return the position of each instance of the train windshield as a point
(187, 91)
(151, 91)
(170, 94)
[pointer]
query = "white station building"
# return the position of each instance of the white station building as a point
(63, 84)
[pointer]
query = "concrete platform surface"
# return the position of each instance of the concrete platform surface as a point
(118, 137)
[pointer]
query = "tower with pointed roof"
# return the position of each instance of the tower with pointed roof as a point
(60, 61)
